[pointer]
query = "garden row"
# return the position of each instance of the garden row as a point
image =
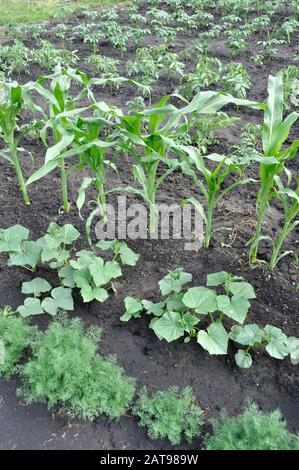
(65, 370)
(145, 147)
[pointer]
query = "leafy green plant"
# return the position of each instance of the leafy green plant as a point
(202, 129)
(272, 162)
(61, 121)
(106, 66)
(184, 312)
(206, 73)
(48, 56)
(135, 105)
(236, 80)
(290, 75)
(213, 186)
(16, 335)
(86, 271)
(289, 27)
(289, 199)
(13, 101)
(252, 430)
(171, 414)
(66, 371)
(14, 58)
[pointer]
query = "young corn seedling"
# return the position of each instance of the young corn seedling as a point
(272, 162)
(62, 121)
(150, 149)
(13, 100)
(290, 202)
(213, 180)
(91, 153)
(164, 124)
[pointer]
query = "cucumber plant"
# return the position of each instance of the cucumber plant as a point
(204, 313)
(83, 270)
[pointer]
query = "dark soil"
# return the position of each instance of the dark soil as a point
(217, 381)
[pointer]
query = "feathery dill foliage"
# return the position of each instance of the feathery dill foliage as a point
(252, 430)
(170, 414)
(67, 371)
(16, 335)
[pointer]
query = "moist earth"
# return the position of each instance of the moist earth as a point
(216, 380)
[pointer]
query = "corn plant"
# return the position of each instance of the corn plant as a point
(213, 187)
(272, 162)
(13, 100)
(150, 148)
(289, 199)
(152, 135)
(61, 122)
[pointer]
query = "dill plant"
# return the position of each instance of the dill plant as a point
(66, 370)
(16, 335)
(171, 414)
(252, 430)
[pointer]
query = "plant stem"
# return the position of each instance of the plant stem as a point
(16, 163)
(209, 231)
(64, 191)
(277, 247)
(152, 197)
(102, 202)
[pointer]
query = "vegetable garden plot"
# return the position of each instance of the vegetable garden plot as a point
(95, 115)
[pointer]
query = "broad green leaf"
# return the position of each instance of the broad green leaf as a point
(82, 192)
(29, 256)
(169, 326)
(31, 306)
(236, 308)
(87, 293)
(12, 238)
(217, 279)
(152, 308)
(243, 359)
(175, 302)
(293, 348)
(277, 342)
(61, 299)
(65, 235)
(133, 305)
(201, 299)
(85, 258)
(58, 148)
(106, 245)
(128, 256)
(174, 281)
(189, 321)
(82, 277)
(100, 294)
(58, 254)
(133, 309)
(66, 274)
(42, 171)
(243, 288)
(248, 335)
(36, 287)
(215, 339)
(104, 274)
